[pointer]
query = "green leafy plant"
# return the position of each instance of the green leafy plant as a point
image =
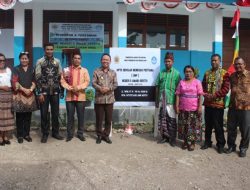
(196, 72)
(90, 94)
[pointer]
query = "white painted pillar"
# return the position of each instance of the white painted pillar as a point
(19, 27)
(120, 25)
(200, 30)
(218, 31)
(37, 33)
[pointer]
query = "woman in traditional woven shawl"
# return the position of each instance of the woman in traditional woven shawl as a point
(6, 115)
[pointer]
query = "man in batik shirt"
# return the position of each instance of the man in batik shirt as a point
(239, 108)
(48, 74)
(105, 82)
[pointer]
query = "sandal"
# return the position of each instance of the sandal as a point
(184, 146)
(2, 142)
(28, 138)
(191, 147)
(6, 141)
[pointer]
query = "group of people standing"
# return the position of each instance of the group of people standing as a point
(26, 89)
(183, 98)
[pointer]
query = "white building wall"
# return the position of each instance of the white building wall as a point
(201, 22)
(201, 30)
(119, 25)
(6, 42)
(37, 27)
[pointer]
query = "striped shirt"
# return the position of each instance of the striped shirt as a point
(168, 81)
(75, 76)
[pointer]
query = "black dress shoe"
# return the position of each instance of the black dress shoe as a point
(68, 139)
(20, 140)
(44, 139)
(98, 140)
(172, 143)
(243, 153)
(6, 142)
(220, 150)
(28, 138)
(107, 140)
(2, 143)
(57, 136)
(206, 146)
(82, 138)
(230, 150)
(163, 140)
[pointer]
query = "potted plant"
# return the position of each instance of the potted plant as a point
(90, 96)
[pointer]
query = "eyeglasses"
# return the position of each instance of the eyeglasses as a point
(2, 60)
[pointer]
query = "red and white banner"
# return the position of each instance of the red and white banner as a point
(167, 1)
(243, 3)
(7, 4)
(25, 1)
(236, 18)
(147, 6)
(191, 7)
(171, 5)
(213, 5)
(130, 2)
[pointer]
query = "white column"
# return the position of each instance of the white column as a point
(37, 24)
(120, 25)
(18, 32)
(218, 31)
(37, 27)
(200, 30)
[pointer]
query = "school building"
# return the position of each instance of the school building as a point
(192, 31)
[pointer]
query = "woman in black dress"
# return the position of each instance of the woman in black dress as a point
(24, 100)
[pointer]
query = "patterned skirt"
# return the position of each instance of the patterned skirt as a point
(23, 103)
(7, 121)
(167, 125)
(189, 126)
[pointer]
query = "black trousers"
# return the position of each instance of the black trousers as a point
(103, 110)
(23, 120)
(53, 101)
(239, 118)
(71, 106)
(214, 119)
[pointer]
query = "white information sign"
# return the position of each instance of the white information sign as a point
(137, 69)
